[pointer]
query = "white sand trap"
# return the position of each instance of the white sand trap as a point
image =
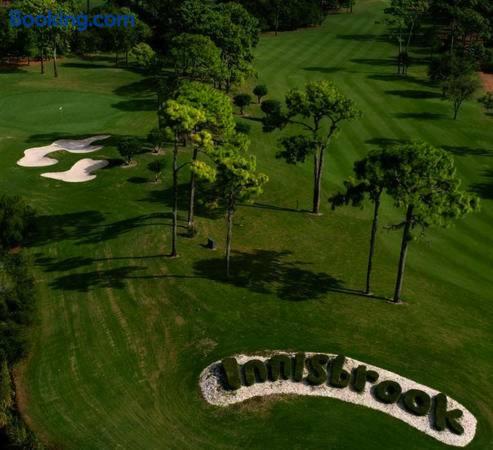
(36, 157)
(80, 172)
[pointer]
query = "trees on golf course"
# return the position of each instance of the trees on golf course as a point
(180, 120)
(424, 184)
(371, 179)
(459, 88)
(421, 180)
(319, 109)
(219, 122)
(235, 178)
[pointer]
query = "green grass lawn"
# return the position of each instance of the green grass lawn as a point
(123, 332)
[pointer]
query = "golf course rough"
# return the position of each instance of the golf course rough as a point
(241, 377)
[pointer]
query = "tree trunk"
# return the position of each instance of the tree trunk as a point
(191, 201)
(42, 62)
(399, 60)
(402, 258)
(410, 36)
(55, 68)
(174, 252)
(374, 228)
(229, 238)
(456, 110)
(319, 166)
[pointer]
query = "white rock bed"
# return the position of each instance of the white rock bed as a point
(37, 157)
(80, 172)
(215, 394)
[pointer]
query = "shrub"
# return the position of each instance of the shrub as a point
(417, 402)
(338, 376)
(156, 167)
(128, 147)
(299, 366)
(16, 221)
(260, 91)
(444, 418)
(243, 128)
(280, 366)
(232, 373)
(271, 107)
(144, 55)
(156, 139)
(317, 369)
(360, 378)
(487, 101)
(242, 101)
(16, 306)
(388, 391)
(372, 376)
(253, 371)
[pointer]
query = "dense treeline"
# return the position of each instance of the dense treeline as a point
(277, 15)
(458, 35)
(16, 315)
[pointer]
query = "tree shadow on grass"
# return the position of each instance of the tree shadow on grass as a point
(468, 151)
(138, 180)
(362, 37)
(142, 104)
(141, 88)
(165, 197)
(399, 78)
(414, 94)
(374, 61)
(84, 282)
(386, 142)
(484, 189)
(89, 227)
(420, 116)
(87, 65)
(323, 69)
(459, 150)
(13, 68)
(268, 272)
(51, 265)
(273, 207)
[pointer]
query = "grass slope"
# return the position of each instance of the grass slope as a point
(123, 332)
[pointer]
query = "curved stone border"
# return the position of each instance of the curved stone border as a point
(214, 392)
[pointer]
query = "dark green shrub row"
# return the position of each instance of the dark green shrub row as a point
(361, 376)
(232, 373)
(317, 369)
(338, 376)
(417, 402)
(446, 419)
(299, 367)
(388, 391)
(16, 315)
(280, 367)
(322, 370)
(254, 371)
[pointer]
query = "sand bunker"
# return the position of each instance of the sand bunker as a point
(80, 172)
(36, 157)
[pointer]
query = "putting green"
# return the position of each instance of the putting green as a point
(68, 111)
